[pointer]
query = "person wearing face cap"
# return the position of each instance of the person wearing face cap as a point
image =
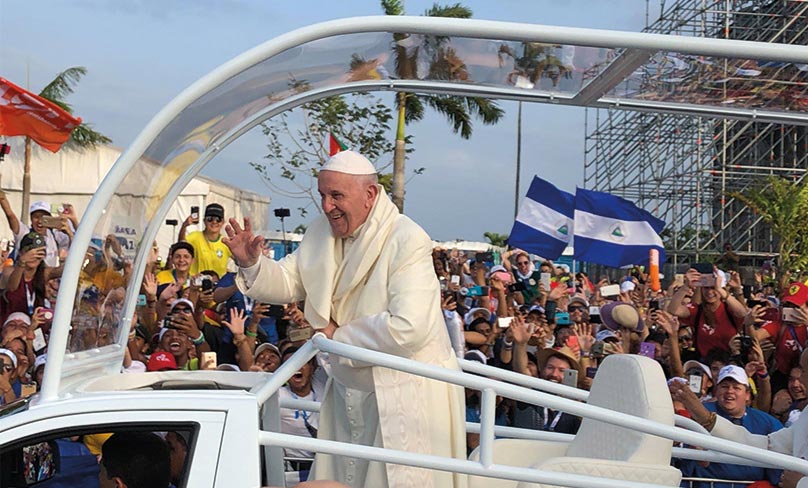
(8, 363)
(209, 250)
(732, 395)
(367, 277)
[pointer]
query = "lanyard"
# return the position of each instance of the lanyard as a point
(553, 424)
(30, 296)
(794, 335)
(303, 413)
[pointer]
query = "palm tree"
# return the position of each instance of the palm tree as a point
(445, 64)
(783, 204)
(83, 136)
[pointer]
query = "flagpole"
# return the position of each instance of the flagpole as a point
(518, 160)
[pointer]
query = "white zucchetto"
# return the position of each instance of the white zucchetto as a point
(349, 162)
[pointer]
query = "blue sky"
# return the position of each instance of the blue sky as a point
(142, 53)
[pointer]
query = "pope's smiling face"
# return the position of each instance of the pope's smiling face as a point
(346, 200)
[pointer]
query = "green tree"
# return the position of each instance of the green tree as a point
(445, 65)
(783, 205)
(298, 141)
(496, 239)
(83, 136)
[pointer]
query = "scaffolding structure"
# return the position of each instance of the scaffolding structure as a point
(683, 168)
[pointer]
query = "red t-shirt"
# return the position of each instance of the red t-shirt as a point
(708, 336)
(789, 344)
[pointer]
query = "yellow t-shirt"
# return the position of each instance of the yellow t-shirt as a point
(208, 255)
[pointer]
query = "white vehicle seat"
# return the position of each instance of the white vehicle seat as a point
(625, 383)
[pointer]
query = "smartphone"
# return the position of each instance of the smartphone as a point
(597, 349)
(51, 222)
(653, 305)
(195, 214)
(572, 341)
(590, 372)
(141, 300)
(755, 303)
(504, 322)
(594, 315)
(39, 342)
(208, 360)
(790, 315)
(571, 377)
(707, 280)
(455, 280)
(610, 290)
(518, 286)
(545, 280)
(275, 311)
(562, 318)
(296, 334)
(704, 268)
(771, 314)
(484, 257)
(27, 389)
(648, 349)
(694, 383)
(679, 278)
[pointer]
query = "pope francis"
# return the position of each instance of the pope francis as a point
(366, 274)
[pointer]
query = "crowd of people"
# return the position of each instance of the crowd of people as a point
(736, 345)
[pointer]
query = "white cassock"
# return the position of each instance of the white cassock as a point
(791, 440)
(380, 286)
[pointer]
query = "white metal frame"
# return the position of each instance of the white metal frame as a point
(637, 45)
(722, 450)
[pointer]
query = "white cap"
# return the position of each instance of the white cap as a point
(40, 206)
(693, 364)
(349, 162)
(22, 317)
(604, 334)
(469, 317)
(627, 286)
(40, 361)
(11, 356)
(737, 373)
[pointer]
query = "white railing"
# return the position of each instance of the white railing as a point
(725, 451)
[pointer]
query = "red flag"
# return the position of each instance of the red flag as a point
(23, 113)
(335, 145)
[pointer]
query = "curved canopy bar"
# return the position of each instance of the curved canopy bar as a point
(579, 67)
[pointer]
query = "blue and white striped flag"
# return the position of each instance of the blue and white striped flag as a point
(612, 231)
(543, 224)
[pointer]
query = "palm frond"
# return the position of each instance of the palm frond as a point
(62, 86)
(485, 109)
(393, 7)
(456, 11)
(454, 109)
(413, 108)
(84, 136)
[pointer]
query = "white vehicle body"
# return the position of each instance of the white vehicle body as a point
(234, 416)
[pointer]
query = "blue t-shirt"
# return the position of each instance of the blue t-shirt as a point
(756, 422)
(241, 302)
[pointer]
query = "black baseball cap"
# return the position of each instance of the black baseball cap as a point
(214, 210)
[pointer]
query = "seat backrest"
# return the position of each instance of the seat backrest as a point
(634, 385)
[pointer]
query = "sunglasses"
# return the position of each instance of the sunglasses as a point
(575, 309)
(686, 337)
(523, 262)
(213, 219)
(182, 310)
(8, 367)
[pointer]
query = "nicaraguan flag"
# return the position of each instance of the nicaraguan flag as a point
(543, 224)
(612, 231)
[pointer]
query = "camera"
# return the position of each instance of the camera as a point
(167, 322)
(207, 284)
(282, 212)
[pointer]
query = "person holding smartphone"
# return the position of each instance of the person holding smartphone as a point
(57, 237)
(714, 314)
(209, 250)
